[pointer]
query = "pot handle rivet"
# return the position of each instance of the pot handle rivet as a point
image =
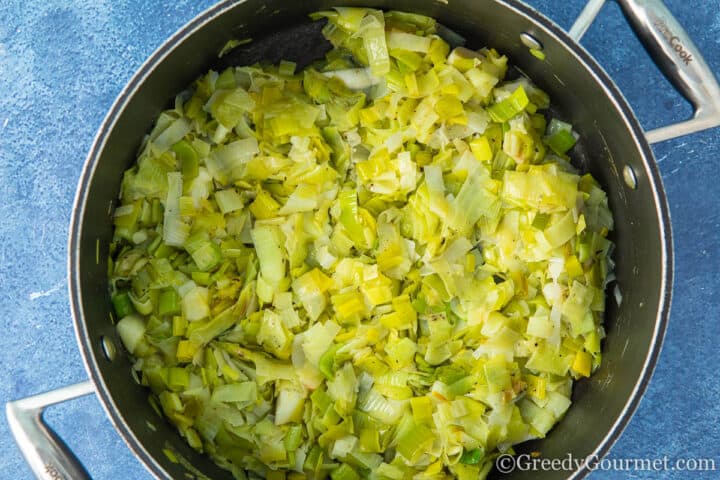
(629, 177)
(108, 348)
(530, 41)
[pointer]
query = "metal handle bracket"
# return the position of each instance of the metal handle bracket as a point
(46, 454)
(674, 53)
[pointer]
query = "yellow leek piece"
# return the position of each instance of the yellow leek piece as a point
(481, 148)
(582, 364)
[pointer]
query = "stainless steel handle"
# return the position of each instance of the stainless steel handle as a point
(675, 54)
(46, 454)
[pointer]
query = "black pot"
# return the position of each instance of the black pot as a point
(614, 149)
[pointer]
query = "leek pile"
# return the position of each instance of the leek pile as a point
(383, 266)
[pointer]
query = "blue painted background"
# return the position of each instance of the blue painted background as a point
(62, 62)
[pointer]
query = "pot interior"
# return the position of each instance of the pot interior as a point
(581, 94)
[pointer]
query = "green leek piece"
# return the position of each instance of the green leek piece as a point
(344, 472)
(186, 350)
(267, 240)
(349, 217)
(228, 106)
(472, 457)
(293, 438)
(188, 158)
(561, 142)
(326, 365)
(169, 302)
(228, 201)
(559, 136)
(122, 304)
(414, 441)
(507, 108)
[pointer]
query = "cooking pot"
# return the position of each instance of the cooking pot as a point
(613, 148)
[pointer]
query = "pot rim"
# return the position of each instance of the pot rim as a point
(579, 54)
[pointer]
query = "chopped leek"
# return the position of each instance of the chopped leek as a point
(510, 106)
(381, 266)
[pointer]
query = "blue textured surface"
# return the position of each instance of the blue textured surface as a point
(62, 62)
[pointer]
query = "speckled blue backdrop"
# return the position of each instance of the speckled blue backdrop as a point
(62, 62)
